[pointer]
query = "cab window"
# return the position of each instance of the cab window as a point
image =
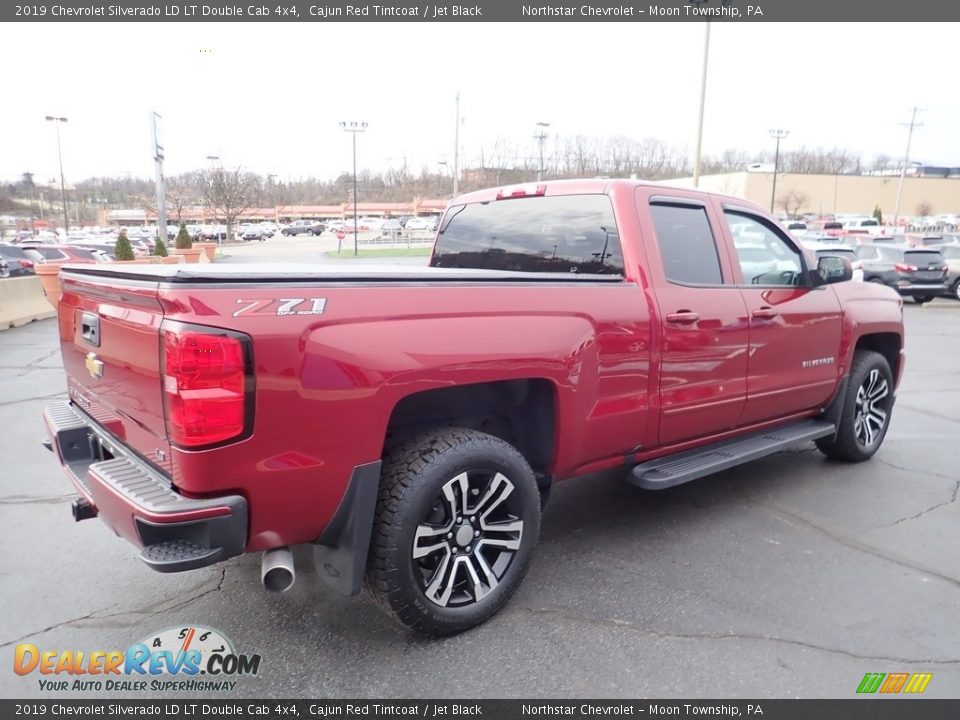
(764, 255)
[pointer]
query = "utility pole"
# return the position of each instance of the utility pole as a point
(906, 160)
(779, 135)
(541, 137)
(703, 97)
(456, 152)
(353, 128)
(63, 184)
(213, 180)
(161, 185)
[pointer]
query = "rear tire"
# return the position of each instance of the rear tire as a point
(867, 407)
(955, 289)
(457, 518)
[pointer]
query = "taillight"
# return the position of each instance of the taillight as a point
(26, 263)
(900, 267)
(205, 385)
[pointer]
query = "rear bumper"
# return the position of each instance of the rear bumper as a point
(138, 503)
(921, 289)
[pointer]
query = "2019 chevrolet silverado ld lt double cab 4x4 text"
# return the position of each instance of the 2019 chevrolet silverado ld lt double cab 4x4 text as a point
(409, 423)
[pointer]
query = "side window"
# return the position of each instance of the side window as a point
(765, 256)
(687, 245)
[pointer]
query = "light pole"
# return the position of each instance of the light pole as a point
(703, 97)
(456, 152)
(779, 135)
(213, 159)
(541, 137)
(906, 160)
(353, 127)
(63, 184)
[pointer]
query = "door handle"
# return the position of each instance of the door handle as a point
(765, 313)
(684, 317)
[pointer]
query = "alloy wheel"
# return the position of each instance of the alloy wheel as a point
(469, 538)
(872, 408)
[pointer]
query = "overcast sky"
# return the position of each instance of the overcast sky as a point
(269, 97)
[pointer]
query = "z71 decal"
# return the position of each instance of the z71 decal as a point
(282, 306)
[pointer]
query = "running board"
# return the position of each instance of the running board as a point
(686, 466)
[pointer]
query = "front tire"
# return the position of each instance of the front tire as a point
(457, 518)
(867, 408)
(955, 289)
(921, 299)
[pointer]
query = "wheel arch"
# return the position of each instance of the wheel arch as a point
(522, 412)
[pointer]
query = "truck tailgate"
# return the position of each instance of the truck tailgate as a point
(110, 340)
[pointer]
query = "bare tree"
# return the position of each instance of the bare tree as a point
(792, 201)
(924, 209)
(230, 192)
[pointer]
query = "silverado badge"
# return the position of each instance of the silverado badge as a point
(94, 366)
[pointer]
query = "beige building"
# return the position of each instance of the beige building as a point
(833, 194)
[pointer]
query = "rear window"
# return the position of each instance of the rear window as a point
(922, 257)
(81, 253)
(842, 252)
(833, 226)
(48, 253)
(564, 233)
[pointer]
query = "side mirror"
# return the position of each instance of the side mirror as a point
(834, 269)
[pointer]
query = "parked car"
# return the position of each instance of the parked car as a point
(834, 250)
(421, 223)
(304, 227)
(951, 255)
(920, 274)
(391, 228)
(406, 424)
(255, 232)
(59, 254)
(19, 263)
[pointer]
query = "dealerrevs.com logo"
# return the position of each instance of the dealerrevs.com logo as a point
(192, 658)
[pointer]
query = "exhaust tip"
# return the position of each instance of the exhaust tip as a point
(276, 570)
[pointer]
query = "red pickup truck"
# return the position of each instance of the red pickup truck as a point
(409, 423)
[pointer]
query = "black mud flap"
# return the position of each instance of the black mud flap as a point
(340, 553)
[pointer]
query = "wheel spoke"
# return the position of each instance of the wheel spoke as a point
(879, 392)
(443, 581)
(858, 427)
(420, 551)
(483, 587)
(509, 526)
(500, 489)
(463, 482)
(507, 543)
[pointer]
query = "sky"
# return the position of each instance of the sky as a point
(269, 97)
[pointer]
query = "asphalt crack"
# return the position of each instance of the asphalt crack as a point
(913, 470)
(35, 500)
(950, 501)
(136, 615)
(661, 634)
(852, 544)
(7, 403)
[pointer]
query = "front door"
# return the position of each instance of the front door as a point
(794, 327)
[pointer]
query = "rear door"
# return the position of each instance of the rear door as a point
(703, 363)
(794, 326)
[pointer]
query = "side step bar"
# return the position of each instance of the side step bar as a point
(686, 466)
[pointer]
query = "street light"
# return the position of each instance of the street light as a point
(779, 135)
(703, 97)
(541, 137)
(63, 184)
(353, 128)
(213, 159)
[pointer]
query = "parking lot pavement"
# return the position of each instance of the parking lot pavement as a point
(790, 577)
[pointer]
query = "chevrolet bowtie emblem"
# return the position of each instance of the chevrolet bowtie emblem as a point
(94, 366)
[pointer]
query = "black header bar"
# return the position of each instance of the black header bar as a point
(484, 11)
